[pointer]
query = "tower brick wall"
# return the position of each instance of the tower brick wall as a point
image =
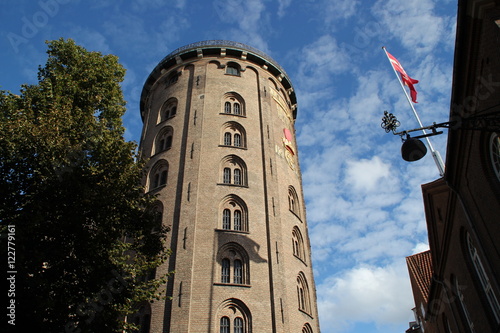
(222, 157)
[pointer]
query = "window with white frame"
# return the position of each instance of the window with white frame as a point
(463, 306)
(483, 278)
(495, 153)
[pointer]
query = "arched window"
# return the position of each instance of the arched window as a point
(303, 294)
(307, 328)
(225, 274)
(233, 104)
(227, 139)
(164, 139)
(238, 315)
(234, 264)
(238, 272)
(458, 291)
(233, 69)
(298, 244)
(237, 109)
(237, 177)
(495, 153)
(224, 325)
(157, 210)
(233, 134)
(237, 140)
(168, 109)
(293, 201)
(234, 166)
(227, 176)
(483, 278)
(163, 178)
(234, 209)
(226, 219)
(158, 175)
(142, 318)
(237, 220)
(238, 325)
(171, 79)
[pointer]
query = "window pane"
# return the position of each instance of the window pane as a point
(237, 108)
(163, 178)
(226, 219)
(237, 140)
(227, 176)
(237, 220)
(495, 153)
(237, 176)
(238, 272)
(238, 325)
(232, 70)
(224, 325)
(168, 142)
(156, 181)
(227, 139)
(301, 299)
(227, 107)
(225, 271)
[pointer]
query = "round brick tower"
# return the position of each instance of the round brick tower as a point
(220, 140)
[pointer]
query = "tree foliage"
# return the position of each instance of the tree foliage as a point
(70, 184)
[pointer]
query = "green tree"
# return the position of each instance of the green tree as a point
(85, 233)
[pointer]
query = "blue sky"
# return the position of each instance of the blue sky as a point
(364, 203)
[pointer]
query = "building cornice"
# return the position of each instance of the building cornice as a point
(218, 48)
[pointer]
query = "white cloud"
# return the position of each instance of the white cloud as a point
(420, 247)
(366, 174)
(92, 40)
(413, 23)
(365, 294)
(340, 9)
(283, 5)
(247, 19)
(320, 60)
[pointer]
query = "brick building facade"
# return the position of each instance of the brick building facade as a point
(219, 136)
(463, 208)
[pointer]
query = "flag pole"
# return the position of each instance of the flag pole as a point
(435, 154)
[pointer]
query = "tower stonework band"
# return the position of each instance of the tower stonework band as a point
(220, 143)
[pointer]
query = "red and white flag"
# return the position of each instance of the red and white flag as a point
(407, 80)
